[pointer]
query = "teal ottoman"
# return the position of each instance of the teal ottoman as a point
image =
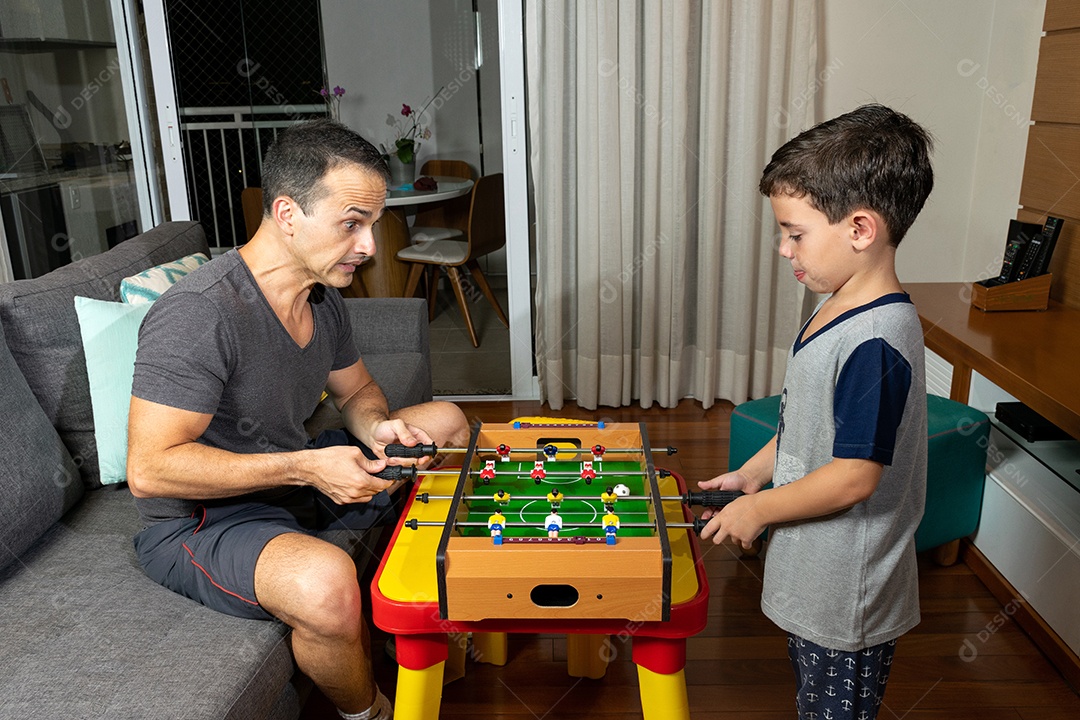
(958, 436)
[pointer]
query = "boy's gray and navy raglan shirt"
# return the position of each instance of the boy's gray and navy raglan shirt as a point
(854, 389)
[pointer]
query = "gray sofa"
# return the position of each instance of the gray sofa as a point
(85, 633)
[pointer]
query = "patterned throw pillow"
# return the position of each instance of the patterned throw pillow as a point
(147, 286)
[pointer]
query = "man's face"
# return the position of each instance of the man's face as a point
(336, 237)
(820, 253)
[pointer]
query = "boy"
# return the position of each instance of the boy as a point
(848, 462)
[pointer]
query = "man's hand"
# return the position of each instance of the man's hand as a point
(344, 474)
(388, 432)
(737, 519)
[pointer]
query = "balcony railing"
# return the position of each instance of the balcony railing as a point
(224, 148)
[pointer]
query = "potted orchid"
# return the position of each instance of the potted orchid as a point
(410, 129)
(332, 98)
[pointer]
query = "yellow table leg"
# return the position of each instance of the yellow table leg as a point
(663, 697)
(456, 644)
(489, 648)
(587, 655)
(419, 693)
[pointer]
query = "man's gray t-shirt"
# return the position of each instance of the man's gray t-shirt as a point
(854, 389)
(212, 344)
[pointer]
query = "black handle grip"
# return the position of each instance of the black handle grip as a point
(397, 472)
(416, 451)
(713, 498)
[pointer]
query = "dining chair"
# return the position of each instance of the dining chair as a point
(485, 232)
(251, 204)
(453, 213)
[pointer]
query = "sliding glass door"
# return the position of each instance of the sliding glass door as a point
(73, 177)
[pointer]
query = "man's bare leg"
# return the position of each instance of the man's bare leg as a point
(311, 586)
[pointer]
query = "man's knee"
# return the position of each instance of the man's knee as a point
(319, 593)
(443, 421)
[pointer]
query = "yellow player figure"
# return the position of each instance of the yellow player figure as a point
(609, 498)
(611, 527)
(555, 498)
(496, 523)
(502, 498)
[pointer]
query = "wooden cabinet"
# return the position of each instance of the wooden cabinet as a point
(1028, 540)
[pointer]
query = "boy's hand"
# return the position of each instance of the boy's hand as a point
(734, 480)
(736, 520)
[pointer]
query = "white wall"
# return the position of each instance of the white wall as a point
(965, 69)
(385, 54)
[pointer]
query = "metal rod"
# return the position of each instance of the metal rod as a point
(525, 473)
(564, 450)
(480, 523)
(665, 498)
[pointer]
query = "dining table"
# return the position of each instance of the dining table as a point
(384, 275)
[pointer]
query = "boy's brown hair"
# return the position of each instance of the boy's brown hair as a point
(871, 158)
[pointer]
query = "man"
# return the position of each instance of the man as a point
(231, 361)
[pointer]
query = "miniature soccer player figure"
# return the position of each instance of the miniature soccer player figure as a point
(611, 527)
(553, 523)
(502, 497)
(538, 473)
(488, 473)
(496, 523)
(598, 452)
(587, 472)
(504, 452)
(609, 498)
(555, 498)
(550, 451)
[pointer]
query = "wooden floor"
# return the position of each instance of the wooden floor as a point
(967, 659)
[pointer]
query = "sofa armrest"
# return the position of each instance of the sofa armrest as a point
(389, 325)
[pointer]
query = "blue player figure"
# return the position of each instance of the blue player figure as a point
(611, 527)
(496, 523)
(550, 451)
(553, 523)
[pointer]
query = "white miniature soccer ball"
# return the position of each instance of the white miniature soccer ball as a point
(621, 490)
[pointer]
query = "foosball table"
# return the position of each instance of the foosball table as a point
(547, 527)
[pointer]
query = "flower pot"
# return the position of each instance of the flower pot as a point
(401, 173)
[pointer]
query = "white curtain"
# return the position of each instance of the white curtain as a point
(650, 123)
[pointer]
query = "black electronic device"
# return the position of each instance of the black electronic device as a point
(1037, 253)
(1020, 234)
(1027, 423)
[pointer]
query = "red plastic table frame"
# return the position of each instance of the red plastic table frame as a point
(658, 649)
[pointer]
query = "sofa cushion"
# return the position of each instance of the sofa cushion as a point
(43, 332)
(147, 286)
(38, 479)
(110, 334)
(86, 634)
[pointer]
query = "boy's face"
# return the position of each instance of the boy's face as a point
(821, 253)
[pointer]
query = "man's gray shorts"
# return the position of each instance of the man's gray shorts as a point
(210, 557)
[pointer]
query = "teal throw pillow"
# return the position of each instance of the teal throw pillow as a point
(110, 335)
(147, 286)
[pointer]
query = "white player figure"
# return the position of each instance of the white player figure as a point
(553, 523)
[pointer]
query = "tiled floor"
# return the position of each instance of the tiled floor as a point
(457, 368)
